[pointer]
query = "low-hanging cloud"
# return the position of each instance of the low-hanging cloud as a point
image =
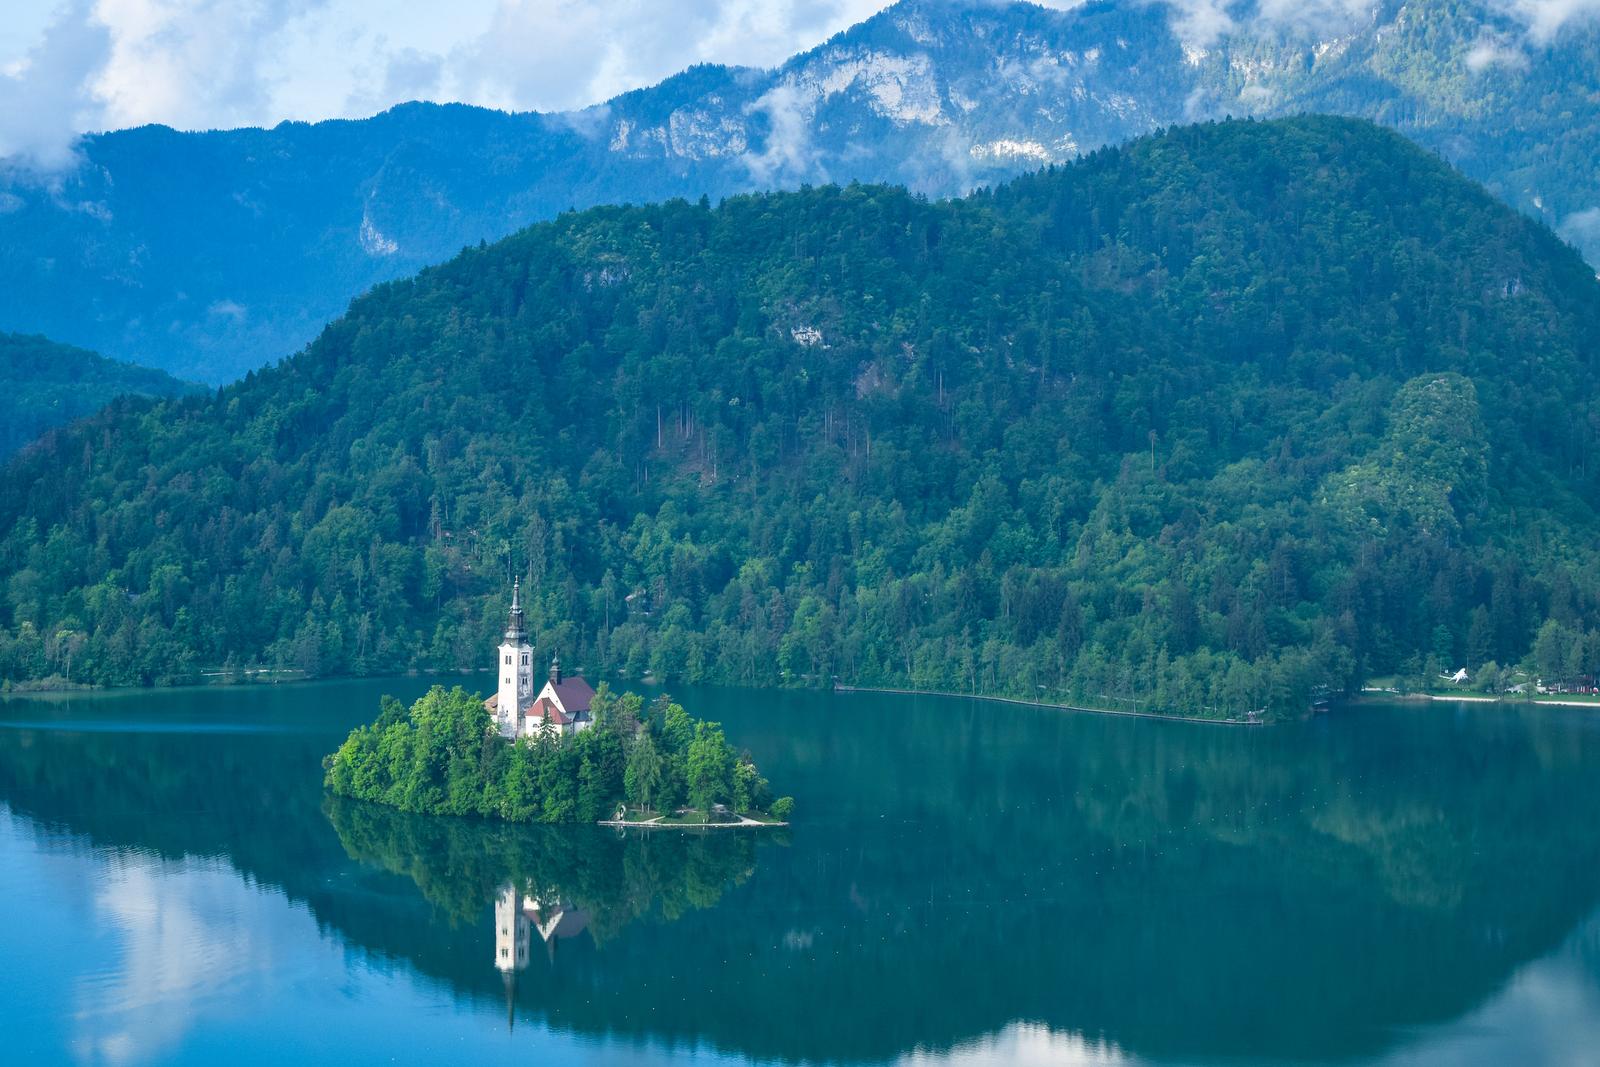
(109, 64)
(1495, 50)
(46, 98)
(1202, 23)
(787, 152)
(1581, 229)
(1545, 19)
(203, 64)
(565, 54)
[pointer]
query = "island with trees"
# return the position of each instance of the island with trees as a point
(639, 765)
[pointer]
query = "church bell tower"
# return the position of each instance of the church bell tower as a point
(515, 669)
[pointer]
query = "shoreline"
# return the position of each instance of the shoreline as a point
(1383, 697)
(262, 679)
(254, 682)
(1052, 706)
(656, 824)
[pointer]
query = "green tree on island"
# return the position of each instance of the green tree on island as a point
(643, 775)
(710, 767)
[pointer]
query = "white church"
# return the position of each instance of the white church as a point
(517, 710)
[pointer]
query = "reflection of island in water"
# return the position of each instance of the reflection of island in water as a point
(559, 883)
(565, 879)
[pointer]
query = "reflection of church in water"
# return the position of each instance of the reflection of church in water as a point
(516, 916)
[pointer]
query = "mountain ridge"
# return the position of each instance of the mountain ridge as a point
(211, 254)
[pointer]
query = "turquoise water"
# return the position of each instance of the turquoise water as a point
(964, 883)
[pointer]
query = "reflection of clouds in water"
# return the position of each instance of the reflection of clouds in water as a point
(184, 934)
(1027, 1045)
(1549, 1012)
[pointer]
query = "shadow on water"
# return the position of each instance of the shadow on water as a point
(1312, 892)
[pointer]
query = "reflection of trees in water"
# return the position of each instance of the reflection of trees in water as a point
(461, 865)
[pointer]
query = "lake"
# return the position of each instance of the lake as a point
(963, 883)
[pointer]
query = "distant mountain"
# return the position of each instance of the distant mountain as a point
(210, 254)
(44, 384)
(1196, 424)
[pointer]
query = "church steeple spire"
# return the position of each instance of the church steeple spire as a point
(514, 630)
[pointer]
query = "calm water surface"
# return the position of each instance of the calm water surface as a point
(964, 883)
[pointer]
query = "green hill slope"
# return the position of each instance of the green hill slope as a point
(44, 384)
(1201, 423)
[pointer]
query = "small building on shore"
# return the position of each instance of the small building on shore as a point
(563, 703)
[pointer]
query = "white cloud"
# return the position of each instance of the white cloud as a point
(45, 97)
(194, 63)
(1316, 13)
(788, 152)
(564, 54)
(1200, 23)
(201, 64)
(1581, 229)
(1546, 18)
(1495, 51)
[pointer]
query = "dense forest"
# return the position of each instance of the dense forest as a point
(44, 384)
(444, 757)
(1202, 424)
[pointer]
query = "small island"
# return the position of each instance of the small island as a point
(568, 753)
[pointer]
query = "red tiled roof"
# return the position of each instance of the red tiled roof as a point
(545, 708)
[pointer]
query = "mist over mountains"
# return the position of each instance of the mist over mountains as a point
(209, 254)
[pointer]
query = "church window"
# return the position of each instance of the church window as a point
(508, 661)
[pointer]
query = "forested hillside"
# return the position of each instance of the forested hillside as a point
(43, 384)
(1202, 423)
(211, 253)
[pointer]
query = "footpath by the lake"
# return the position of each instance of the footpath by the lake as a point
(660, 822)
(1476, 698)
